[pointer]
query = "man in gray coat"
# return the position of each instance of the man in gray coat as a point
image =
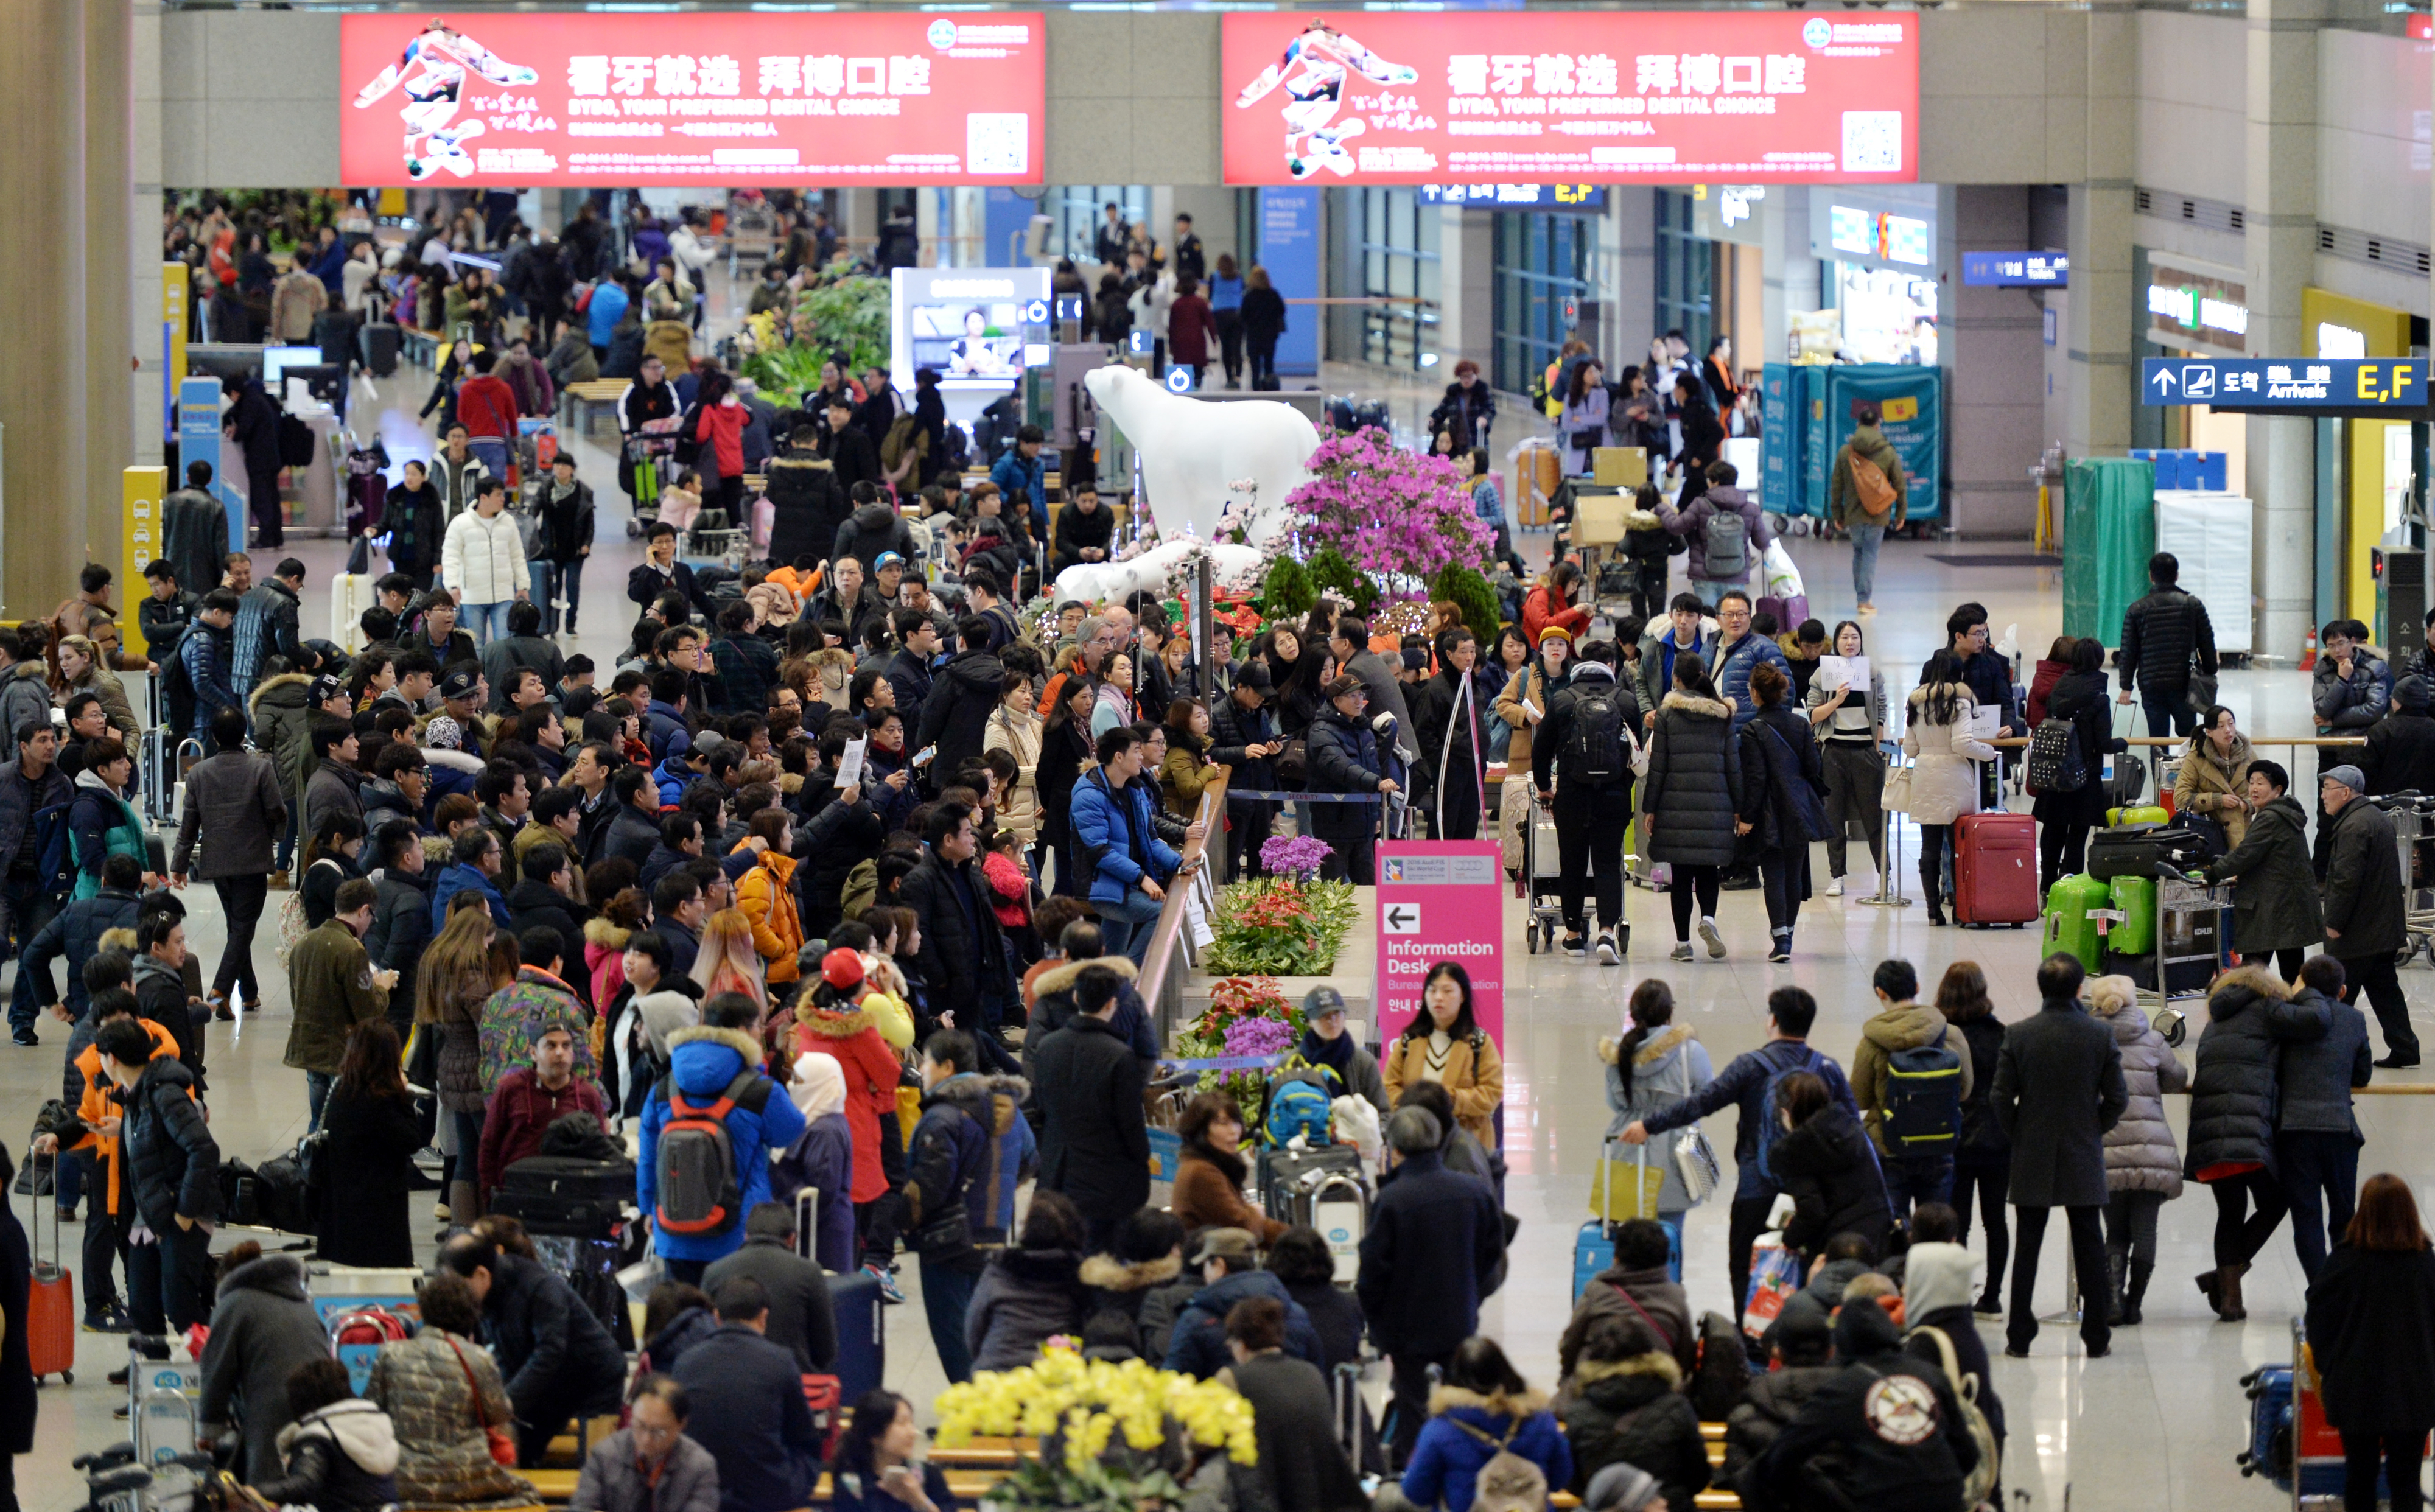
(2325, 1055)
(234, 796)
(2058, 1089)
(649, 1465)
(263, 1327)
(801, 1318)
(1350, 645)
(2364, 921)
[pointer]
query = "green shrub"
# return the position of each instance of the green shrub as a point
(1333, 573)
(1468, 589)
(1287, 592)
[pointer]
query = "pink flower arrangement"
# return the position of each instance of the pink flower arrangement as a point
(1390, 511)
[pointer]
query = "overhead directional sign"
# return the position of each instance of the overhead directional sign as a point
(2296, 385)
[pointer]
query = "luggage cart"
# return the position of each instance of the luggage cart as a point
(651, 453)
(1536, 886)
(2413, 831)
(2191, 934)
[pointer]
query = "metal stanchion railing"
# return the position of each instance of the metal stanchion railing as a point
(1889, 841)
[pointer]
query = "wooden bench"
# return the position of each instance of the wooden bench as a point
(556, 1487)
(582, 401)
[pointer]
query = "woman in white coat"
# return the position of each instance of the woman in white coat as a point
(482, 562)
(1656, 1065)
(1944, 780)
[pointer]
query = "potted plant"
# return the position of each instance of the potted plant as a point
(1112, 1438)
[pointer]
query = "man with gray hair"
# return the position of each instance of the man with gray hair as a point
(801, 1317)
(2364, 922)
(1436, 1246)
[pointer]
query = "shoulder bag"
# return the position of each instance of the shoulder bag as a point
(1695, 1158)
(503, 1444)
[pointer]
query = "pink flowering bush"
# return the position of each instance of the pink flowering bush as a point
(1391, 512)
(1260, 1037)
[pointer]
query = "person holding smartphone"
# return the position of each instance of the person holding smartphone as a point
(879, 1466)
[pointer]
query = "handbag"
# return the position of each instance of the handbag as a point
(1896, 796)
(503, 1444)
(422, 1059)
(1639, 1191)
(359, 556)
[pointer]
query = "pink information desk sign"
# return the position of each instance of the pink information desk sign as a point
(1439, 901)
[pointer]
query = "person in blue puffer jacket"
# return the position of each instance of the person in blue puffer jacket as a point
(1113, 821)
(1483, 1407)
(703, 1061)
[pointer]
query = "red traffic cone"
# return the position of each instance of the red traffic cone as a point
(2308, 653)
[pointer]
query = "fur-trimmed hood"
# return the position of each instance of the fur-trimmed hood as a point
(736, 1039)
(118, 939)
(1061, 978)
(1642, 520)
(1660, 1370)
(1109, 1273)
(2236, 989)
(1495, 1403)
(831, 1023)
(1707, 708)
(267, 686)
(703, 1061)
(978, 1095)
(606, 933)
(1650, 1050)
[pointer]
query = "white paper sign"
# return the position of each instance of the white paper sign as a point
(1985, 724)
(850, 763)
(1844, 671)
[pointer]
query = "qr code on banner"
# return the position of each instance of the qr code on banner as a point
(998, 142)
(1873, 142)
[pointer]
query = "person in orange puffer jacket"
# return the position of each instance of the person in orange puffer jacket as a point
(766, 896)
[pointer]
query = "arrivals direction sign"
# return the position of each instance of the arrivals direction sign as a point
(2293, 385)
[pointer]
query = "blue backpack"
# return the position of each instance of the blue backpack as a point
(1770, 1120)
(1298, 1103)
(1924, 1098)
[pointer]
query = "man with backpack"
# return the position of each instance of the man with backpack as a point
(1910, 1075)
(707, 1132)
(1866, 496)
(1726, 532)
(2165, 638)
(1886, 1432)
(1749, 1082)
(1581, 765)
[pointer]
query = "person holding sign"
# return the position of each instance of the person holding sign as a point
(1847, 714)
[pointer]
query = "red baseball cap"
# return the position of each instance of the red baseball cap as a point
(841, 969)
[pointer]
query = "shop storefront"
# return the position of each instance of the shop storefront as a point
(1878, 274)
(2365, 468)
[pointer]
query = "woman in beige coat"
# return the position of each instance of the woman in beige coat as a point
(1944, 780)
(2214, 778)
(1445, 1044)
(1014, 728)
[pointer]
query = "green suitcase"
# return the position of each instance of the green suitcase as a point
(2148, 814)
(2068, 926)
(2137, 933)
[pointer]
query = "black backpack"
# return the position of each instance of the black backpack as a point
(295, 442)
(2056, 765)
(1595, 752)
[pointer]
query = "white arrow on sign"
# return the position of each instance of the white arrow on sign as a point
(1403, 918)
(2164, 381)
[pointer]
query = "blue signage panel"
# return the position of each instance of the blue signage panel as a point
(199, 440)
(1516, 196)
(2296, 384)
(1290, 250)
(2016, 270)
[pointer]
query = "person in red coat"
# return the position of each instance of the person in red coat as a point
(487, 408)
(1551, 603)
(718, 425)
(530, 1098)
(830, 1020)
(2052, 666)
(1190, 327)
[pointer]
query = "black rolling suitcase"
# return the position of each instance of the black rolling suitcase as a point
(334, 331)
(380, 348)
(1290, 1178)
(862, 1334)
(560, 1195)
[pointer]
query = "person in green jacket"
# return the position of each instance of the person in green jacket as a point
(101, 823)
(1851, 512)
(334, 986)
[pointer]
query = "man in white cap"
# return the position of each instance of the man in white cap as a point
(2364, 907)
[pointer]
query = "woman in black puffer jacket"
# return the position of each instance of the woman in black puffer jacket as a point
(1983, 1158)
(2065, 819)
(1828, 1168)
(2232, 1127)
(1688, 799)
(1624, 1403)
(806, 501)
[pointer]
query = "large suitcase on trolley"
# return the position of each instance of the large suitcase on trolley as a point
(2067, 924)
(1994, 870)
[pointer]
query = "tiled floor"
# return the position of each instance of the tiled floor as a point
(2154, 1427)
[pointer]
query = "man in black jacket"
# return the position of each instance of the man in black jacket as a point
(964, 951)
(558, 1361)
(852, 456)
(28, 786)
(909, 670)
(2162, 635)
(1435, 1249)
(2364, 919)
(1243, 736)
(1086, 528)
(2400, 755)
(1887, 1431)
(2325, 1056)
(963, 694)
(632, 827)
(401, 913)
(172, 1169)
(800, 1317)
(2058, 1089)
(1452, 711)
(545, 895)
(748, 1406)
(1589, 791)
(1094, 1144)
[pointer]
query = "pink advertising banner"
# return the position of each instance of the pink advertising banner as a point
(1439, 901)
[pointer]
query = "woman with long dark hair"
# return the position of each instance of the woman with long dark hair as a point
(1582, 428)
(372, 1137)
(1689, 800)
(451, 984)
(1982, 1160)
(1032, 1290)
(1783, 783)
(1656, 1064)
(877, 1467)
(1445, 1044)
(1944, 777)
(2065, 819)
(1296, 671)
(1850, 724)
(1066, 747)
(718, 425)
(2372, 1331)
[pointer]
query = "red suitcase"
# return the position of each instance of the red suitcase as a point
(50, 1309)
(1996, 869)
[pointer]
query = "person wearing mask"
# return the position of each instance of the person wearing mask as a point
(2165, 639)
(1209, 1181)
(2059, 1089)
(172, 1169)
(1483, 1409)
(263, 1327)
(1087, 1082)
(2276, 914)
(373, 1136)
(2212, 787)
(2324, 1059)
(334, 986)
(340, 1451)
(1913, 1461)
(879, 1466)
(2143, 1167)
(2065, 818)
(801, 1318)
(2371, 1331)
(1434, 1251)
(1263, 321)
(748, 1408)
(1622, 1403)
(1982, 1157)
(2363, 907)
(443, 1392)
(1689, 798)
(1867, 495)
(650, 1465)
(1656, 1064)
(1913, 1174)
(1944, 783)
(559, 1363)
(1031, 1291)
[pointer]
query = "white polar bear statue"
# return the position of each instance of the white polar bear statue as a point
(1194, 450)
(1095, 582)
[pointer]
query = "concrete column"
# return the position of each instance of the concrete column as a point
(145, 417)
(1989, 345)
(1628, 245)
(1466, 297)
(2281, 249)
(107, 308)
(2102, 301)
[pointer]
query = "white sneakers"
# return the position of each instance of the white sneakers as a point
(1607, 953)
(1835, 888)
(1715, 942)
